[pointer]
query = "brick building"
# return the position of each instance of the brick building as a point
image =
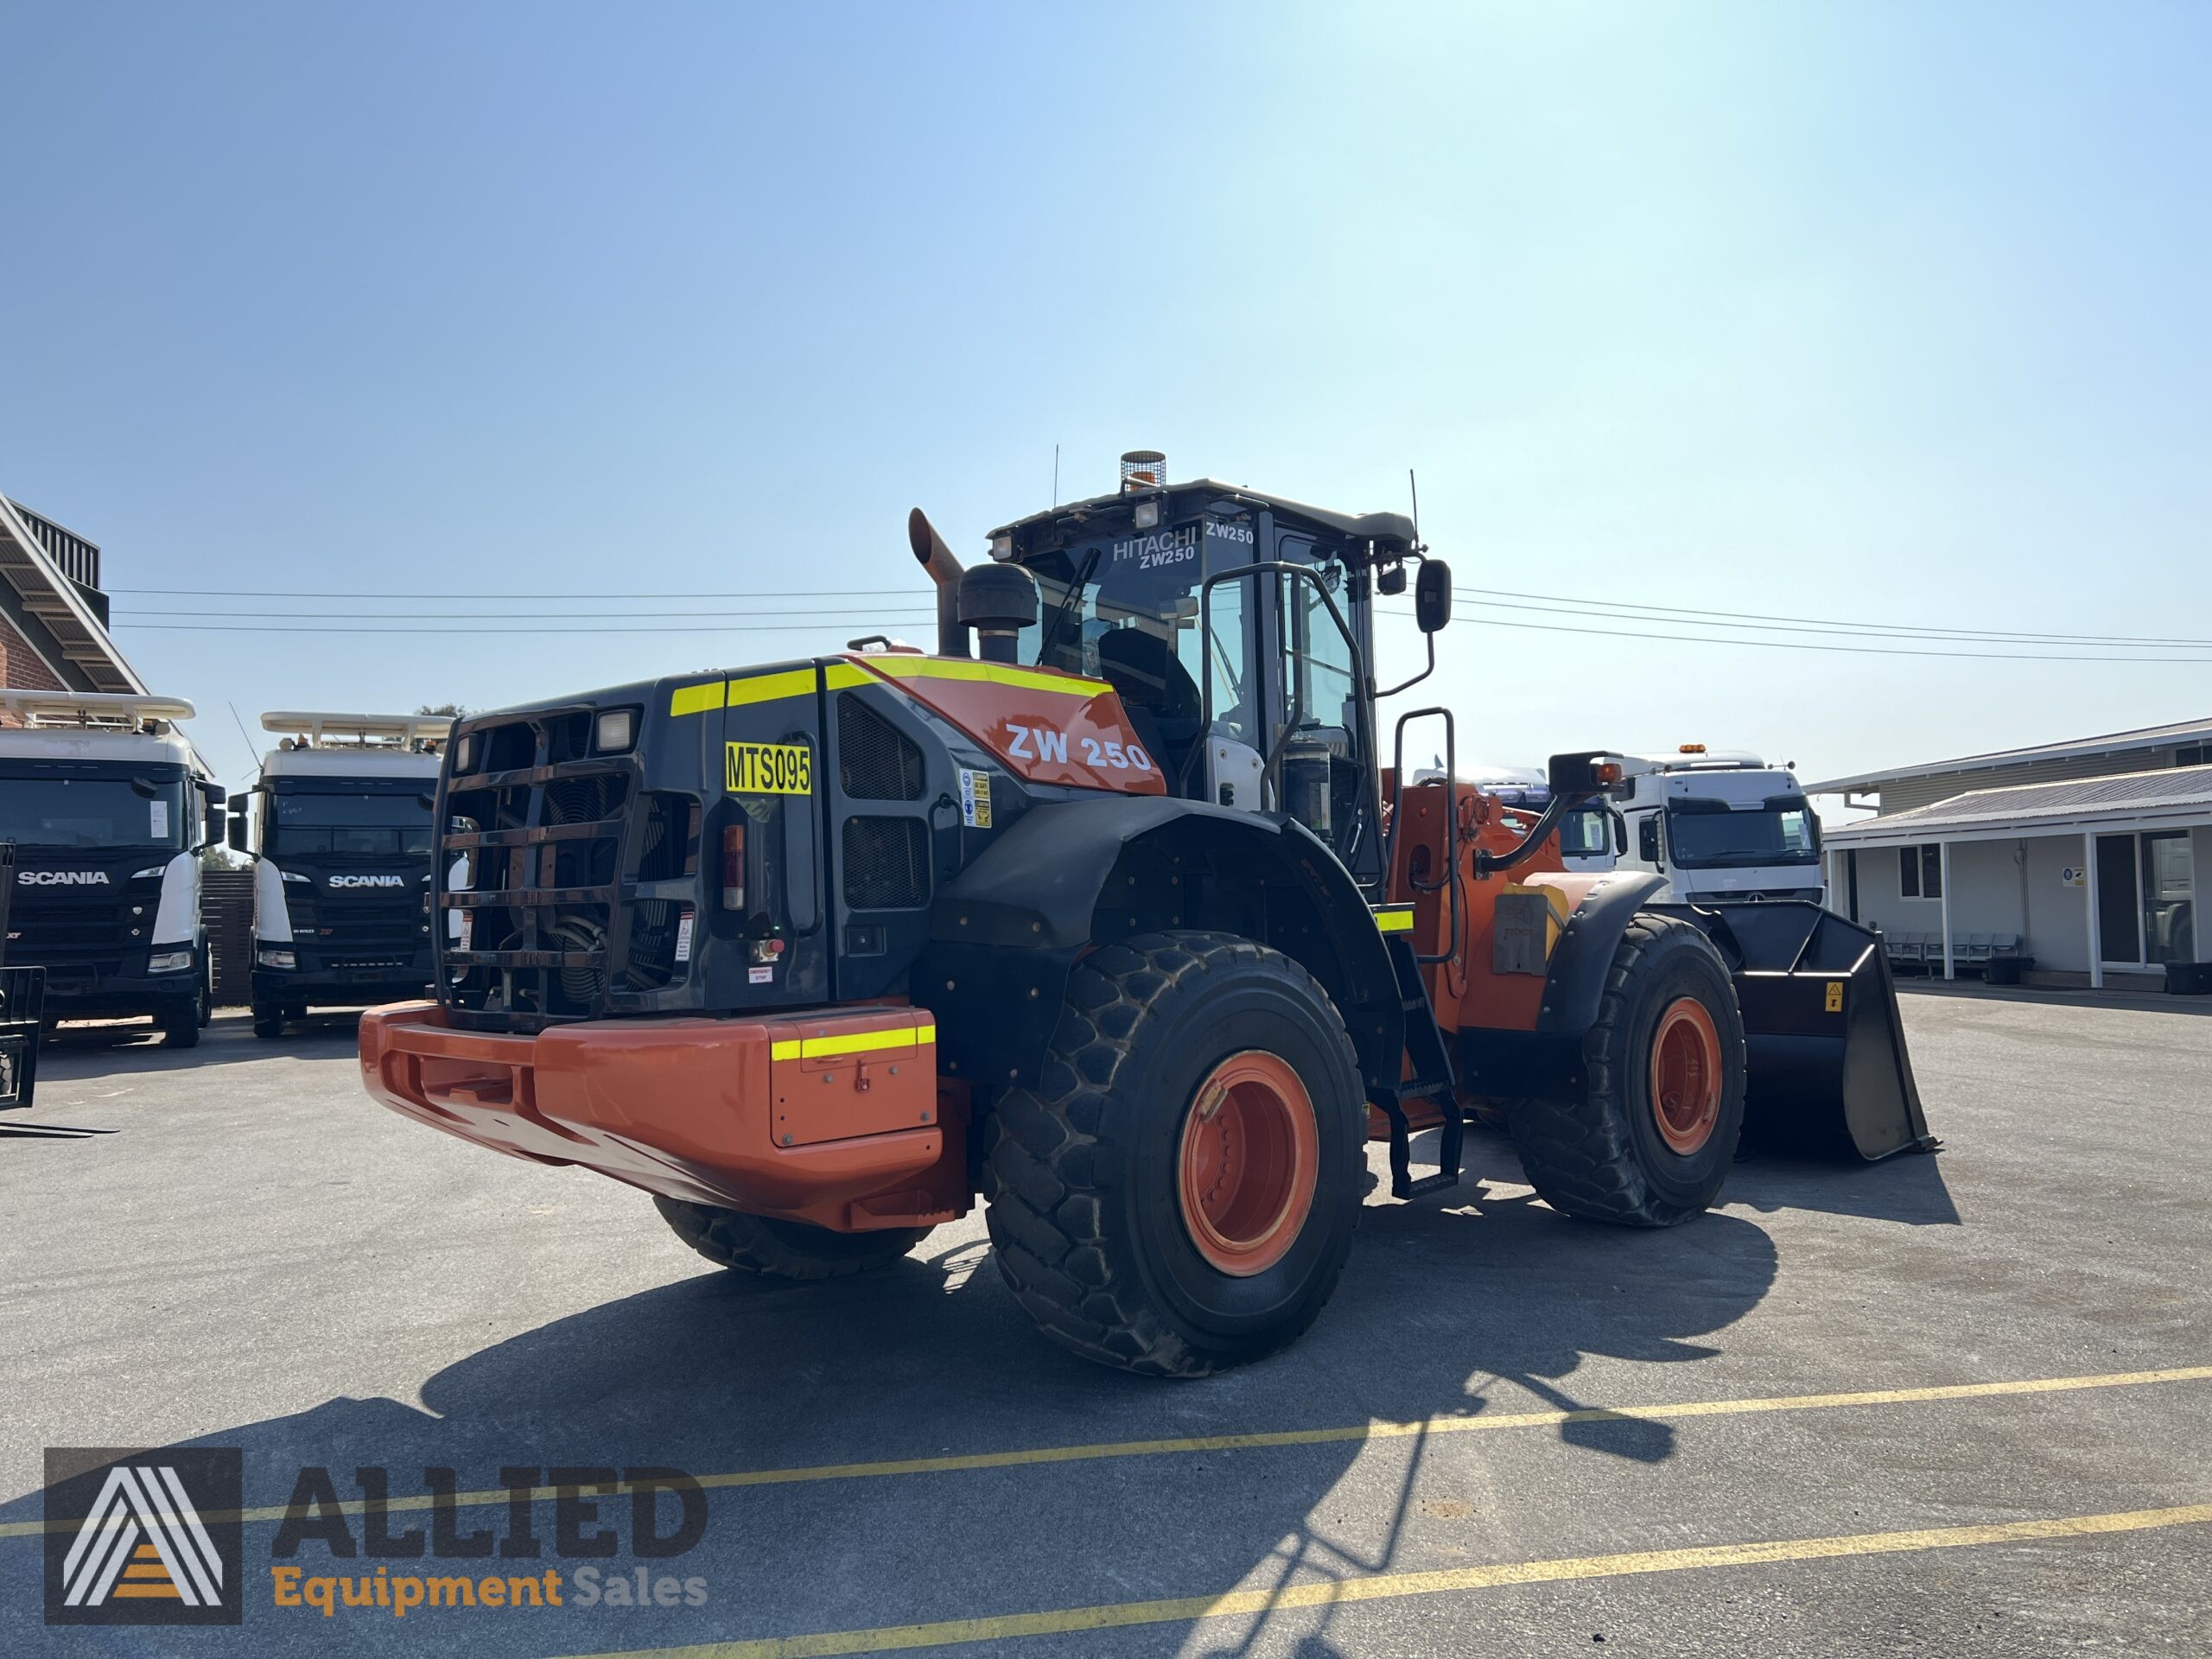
(53, 613)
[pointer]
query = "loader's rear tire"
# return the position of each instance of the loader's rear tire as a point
(782, 1249)
(1179, 1192)
(1648, 1140)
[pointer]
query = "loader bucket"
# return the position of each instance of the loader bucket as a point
(1828, 1075)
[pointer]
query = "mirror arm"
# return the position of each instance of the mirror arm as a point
(1406, 684)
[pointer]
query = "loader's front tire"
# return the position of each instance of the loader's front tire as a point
(1179, 1192)
(782, 1249)
(1648, 1138)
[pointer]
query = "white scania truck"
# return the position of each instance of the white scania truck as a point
(1721, 826)
(341, 844)
(108, 809)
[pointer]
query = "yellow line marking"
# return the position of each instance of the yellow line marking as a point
(960, 668)
(1390, 1586)
(1032, 1457)
(839, 677)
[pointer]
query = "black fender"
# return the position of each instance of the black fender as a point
(1070, 875)
(1574, 979)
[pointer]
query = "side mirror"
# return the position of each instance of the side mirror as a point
(1647, 839)
(1620, 832)
(237, 827)
(217, 829)
(1390, 580)
(1432, 595)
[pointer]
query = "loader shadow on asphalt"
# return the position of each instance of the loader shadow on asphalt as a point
(1442, 1312)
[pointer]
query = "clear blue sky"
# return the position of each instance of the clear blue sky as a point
(1893, 313)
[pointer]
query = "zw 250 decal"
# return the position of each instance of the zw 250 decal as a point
(1043, 743)
(768, 769)
(1162, 548)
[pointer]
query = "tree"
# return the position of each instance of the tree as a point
(454, 710)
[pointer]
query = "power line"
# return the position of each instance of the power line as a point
(1802, 645)
(524, 616)
(1832, 625)
(507, 598)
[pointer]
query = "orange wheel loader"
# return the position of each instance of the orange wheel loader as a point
(1112, 912)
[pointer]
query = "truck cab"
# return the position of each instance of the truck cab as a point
(109, 808)
(1721, 826)
(341, 834)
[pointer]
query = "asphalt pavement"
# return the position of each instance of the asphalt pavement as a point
(1947, 1405)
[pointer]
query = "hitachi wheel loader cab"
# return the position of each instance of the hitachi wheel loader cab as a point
(340, 839)
(108, 809)
(1119, 910)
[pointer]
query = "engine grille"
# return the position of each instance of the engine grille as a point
(887, 863)
(550, 931)
(876, 760)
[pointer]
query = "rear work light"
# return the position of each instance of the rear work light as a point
(616, 730)
(734, 867)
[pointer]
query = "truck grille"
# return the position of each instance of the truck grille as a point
(555, 927)
(80, 935)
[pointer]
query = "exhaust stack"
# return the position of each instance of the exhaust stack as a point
(934, 556)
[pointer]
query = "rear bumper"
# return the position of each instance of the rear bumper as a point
(835, 1118)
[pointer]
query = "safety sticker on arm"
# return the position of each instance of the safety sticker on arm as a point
(769, 769)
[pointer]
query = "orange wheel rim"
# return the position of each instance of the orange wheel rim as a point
(1246, 1170)
(1686, 1075)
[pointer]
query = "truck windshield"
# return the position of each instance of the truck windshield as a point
(371, 826)
(44, 810)
(1711, 835)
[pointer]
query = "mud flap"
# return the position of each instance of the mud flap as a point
(1828, 1074)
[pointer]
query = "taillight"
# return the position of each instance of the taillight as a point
(734, 867)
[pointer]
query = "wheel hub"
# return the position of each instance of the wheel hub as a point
(1686, 1075)
(1246, 1169)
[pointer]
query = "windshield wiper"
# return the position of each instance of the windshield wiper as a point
(1075, 590)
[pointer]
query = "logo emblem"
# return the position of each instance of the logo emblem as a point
(61, 878)
(368, 882)
(142, 1537)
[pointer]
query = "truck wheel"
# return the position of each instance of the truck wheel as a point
(782, 1249)
(182, 1029)
(267, 1020)
(1178, 1193)
(1648, 1139)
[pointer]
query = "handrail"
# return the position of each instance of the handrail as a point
(1451, 882)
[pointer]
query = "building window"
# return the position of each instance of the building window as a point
(1920, 871)
(2198, 755)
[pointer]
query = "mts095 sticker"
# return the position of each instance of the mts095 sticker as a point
(768, 769)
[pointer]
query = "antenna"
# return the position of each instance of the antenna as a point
(250, 749)
(1413, 485)
(1056, 474)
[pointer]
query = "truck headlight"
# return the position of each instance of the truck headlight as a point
(268, 957)
(153, 873)
(292, 875)
(169, 961)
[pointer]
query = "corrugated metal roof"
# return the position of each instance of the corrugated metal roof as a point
(2145, 737)
(2182, 793)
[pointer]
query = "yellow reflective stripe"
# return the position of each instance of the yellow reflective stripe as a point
(959, 668)
(696, 699)
(771, 688)
(1398, 919)
(857, 1042)
(761, 688)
